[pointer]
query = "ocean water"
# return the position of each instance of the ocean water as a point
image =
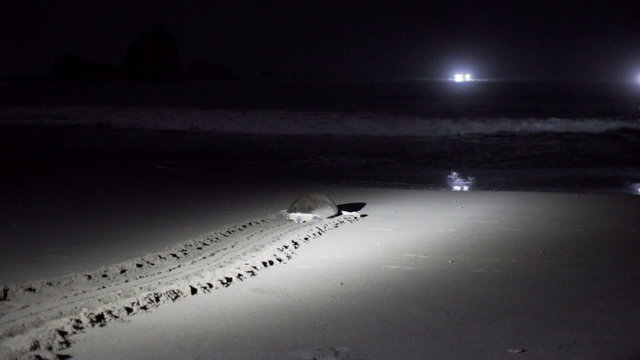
(509, 136)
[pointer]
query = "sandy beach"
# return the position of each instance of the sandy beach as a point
(426, 274)
(320, 180)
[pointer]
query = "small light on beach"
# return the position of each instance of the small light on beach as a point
(636, 188)
(459, 183)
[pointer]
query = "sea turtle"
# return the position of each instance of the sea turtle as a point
(316, 204)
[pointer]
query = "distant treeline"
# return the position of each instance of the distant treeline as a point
(153, 56)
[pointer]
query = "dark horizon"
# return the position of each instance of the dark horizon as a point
(529, 41)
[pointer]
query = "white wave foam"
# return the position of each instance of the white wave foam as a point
(301, 123)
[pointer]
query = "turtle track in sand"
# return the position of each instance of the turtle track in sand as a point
(37, 318)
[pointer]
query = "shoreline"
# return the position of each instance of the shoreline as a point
(35, 153)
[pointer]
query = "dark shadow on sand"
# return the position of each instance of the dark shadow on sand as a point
(351, 207)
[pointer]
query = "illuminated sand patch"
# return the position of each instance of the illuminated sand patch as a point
(38, 317)
(558, 288)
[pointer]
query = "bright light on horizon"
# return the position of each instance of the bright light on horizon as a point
(460, 77)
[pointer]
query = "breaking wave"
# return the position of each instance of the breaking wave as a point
(303, 123)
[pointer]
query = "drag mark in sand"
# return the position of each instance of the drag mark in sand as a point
(416, 256)
(38, 318)
(396, 267)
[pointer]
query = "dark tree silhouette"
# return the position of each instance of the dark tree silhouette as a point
(153, 56)
(77, 68)
(70, 67)
(204, 70)
(267, 74)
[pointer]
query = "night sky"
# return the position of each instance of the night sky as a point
(528, 40)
